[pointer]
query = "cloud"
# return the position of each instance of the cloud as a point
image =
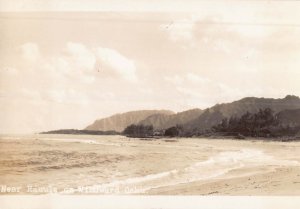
(190, 91)
(188, 78)
(78, 62)
(73, 66)
(196, 78)
(174, 79)
(200, 91)
(180, 30)
(8, 71)
(30, 51)
(113, 60)
(81, 56)
(252, 31)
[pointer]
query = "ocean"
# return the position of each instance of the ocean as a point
(81, 164)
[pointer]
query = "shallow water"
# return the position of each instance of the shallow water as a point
(70, 164)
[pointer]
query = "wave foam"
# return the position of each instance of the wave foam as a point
(214, 167)
(84, 141)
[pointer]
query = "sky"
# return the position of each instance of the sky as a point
(65, 64)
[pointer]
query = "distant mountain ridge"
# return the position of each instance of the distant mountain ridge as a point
(160, 121)
(215, 114)
(197, 118)
(119, 122)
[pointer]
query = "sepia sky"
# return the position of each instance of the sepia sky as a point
(66, 69)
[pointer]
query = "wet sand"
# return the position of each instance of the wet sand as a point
(282, 181)
(261, 180)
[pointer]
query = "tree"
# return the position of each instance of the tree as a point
(262, 123)
(138, 130)
(172, 132)
(222, 127)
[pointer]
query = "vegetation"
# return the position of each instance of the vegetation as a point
(143, 131)
(174, 131)
(264, 123)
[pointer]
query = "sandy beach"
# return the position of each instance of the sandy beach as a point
(282, 181)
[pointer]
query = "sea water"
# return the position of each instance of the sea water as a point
(80, 164)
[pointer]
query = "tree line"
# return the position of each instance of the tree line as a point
(138, 130)
(264, 123)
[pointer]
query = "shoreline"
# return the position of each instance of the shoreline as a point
(280, 181)
(176, 139)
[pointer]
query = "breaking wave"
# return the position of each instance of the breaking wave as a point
(84, 141)
(214, 167)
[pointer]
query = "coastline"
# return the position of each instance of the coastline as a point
(280, 181)
(283, 138)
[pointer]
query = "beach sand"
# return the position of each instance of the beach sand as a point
(282, 181)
